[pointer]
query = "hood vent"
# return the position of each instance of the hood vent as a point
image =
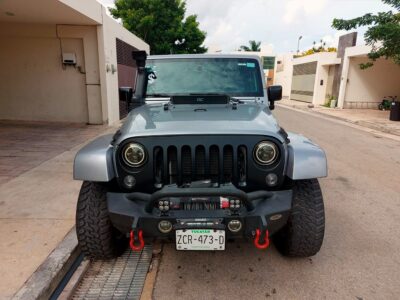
(200, 99)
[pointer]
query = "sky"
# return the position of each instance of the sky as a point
(276, 23)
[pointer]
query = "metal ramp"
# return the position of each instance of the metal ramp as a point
(119, 278)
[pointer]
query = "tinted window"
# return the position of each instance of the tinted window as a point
(231, 76)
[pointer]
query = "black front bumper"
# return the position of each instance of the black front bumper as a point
(261, 210)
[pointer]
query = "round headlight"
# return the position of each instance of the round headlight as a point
(134, 155)
(265, 153)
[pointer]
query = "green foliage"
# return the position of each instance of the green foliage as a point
(329, 101)
(253, 47)
(161, 24)
(314, 50)
(383, 33)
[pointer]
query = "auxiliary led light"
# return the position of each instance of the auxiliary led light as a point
(163, 205)
(165, 226)
(234, 225)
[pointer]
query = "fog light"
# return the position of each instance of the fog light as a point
(234, 225)
(271, 179)
(165, 226)
(129, 181)
(163, 205)
(234, 204)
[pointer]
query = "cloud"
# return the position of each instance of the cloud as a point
(231, 23)
(296, 9)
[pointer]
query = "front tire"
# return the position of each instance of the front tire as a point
(97, 237)
(303, 234)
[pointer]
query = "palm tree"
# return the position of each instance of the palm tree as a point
(253, 47)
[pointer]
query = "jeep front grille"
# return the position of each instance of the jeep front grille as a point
(182, 165)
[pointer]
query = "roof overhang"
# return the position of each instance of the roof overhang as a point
(67, 12)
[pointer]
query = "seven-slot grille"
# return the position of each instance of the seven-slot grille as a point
(183, 165)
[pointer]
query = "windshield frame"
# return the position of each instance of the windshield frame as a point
(260, 80)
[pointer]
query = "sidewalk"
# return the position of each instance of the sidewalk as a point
(370, 118)
(37, 203)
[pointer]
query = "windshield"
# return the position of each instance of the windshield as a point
(231, 76)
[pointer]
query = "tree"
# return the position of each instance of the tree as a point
(161, 24)
(253, 47)
(315, 49)
(383, 33)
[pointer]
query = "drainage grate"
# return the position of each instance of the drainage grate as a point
(119, 278)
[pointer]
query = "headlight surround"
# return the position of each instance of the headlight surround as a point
(266, 153)
(134, 155)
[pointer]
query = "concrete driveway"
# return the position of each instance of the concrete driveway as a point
(360, 257)
(37, 194)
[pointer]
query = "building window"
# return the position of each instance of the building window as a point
(268, 62)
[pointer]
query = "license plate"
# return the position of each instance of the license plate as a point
(200, 239)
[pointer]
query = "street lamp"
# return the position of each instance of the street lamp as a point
(298, 44)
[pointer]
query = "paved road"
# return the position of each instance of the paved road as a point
(360, 258)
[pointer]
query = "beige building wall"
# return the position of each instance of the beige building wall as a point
(366, 88)
(88, 35)
(329, 83)
(108, 32)
(34, 85)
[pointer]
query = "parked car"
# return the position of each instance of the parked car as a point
(200, 160)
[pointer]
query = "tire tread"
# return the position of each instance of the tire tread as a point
(96, 235)
(304, 232)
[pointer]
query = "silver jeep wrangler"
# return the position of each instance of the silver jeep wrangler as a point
(200, 160)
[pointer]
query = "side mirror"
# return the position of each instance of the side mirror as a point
(274, 94)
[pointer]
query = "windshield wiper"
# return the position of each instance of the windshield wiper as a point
(208, 94)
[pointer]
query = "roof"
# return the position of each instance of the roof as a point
(64, 12)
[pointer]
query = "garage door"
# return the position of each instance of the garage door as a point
(303, 82)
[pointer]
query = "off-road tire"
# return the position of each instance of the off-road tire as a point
(97, 237)
(303, 234)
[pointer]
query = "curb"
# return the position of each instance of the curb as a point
(49, 274)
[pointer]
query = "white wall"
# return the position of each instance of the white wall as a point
(33, 84)
(284, 73)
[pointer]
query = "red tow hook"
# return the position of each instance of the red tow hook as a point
(132, 241)
(257, 239)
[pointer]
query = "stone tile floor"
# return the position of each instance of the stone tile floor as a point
(25, 145)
